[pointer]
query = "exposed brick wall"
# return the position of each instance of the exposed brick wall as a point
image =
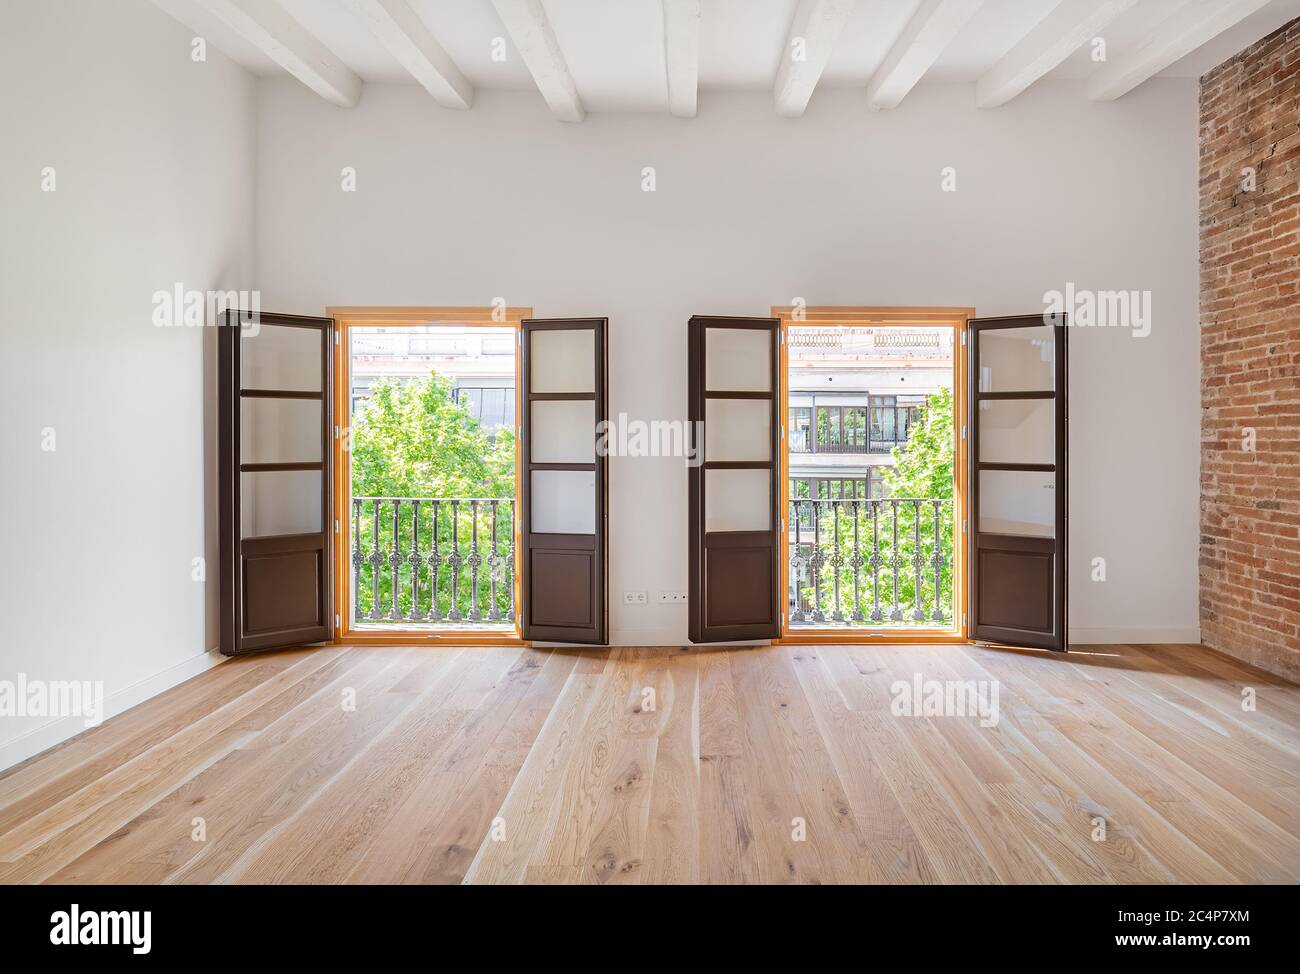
(1250, 354)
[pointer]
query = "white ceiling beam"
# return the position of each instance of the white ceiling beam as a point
(1182, 32)
(268, 26)
(530, 30)
(813, 32)
(682, 55)
(404, 34)
(926, 36)
(1062, 32)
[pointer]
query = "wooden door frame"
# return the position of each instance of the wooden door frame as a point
(883, 317)
(346, 318)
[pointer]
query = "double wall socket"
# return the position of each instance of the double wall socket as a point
(663, 598)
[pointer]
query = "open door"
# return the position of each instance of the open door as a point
(563, 543)
(734, 515)
(274, 433)
(1018, 480)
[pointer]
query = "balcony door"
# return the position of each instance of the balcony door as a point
(274, 433)
(563, 568)
(1018, 482)
(734, 502)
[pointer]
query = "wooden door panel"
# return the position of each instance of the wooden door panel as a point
(738, 574)
(276, 581)
(734, 503)
(563, 523)
(282, 588)
(1019, 530)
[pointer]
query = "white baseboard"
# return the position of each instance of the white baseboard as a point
(62, 728)
(1103, 635)
(1110, 635)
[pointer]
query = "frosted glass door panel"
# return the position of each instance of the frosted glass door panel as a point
(564, 431)
(564, 502)
(737, 500)
(1017, 430)
(279, 357)
(737, 429)
(737, 360)
(280, 502)
(563, 360)
(1017, 359)
(279, 430)
(1019, 502)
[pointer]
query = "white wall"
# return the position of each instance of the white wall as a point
(153, 158)
(842, 206)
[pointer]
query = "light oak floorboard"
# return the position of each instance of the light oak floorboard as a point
(784, 764)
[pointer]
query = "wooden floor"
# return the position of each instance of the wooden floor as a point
(758, 765)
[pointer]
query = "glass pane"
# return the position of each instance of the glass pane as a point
(279, 430)
(800, 424)
(1017, 430)
(737, 429)
(564, 431)
(280, 357)
(280, 502)
(564, 502)
(1017, 359)
(563, 360)
(1021, 502)
(737, 360)
(737, 500)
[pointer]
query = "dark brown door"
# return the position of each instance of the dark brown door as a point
(734, 514)
(563, 545)
(274, 434)
(1018, 480)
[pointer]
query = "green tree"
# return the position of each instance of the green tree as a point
(413, 440)
(923, 465)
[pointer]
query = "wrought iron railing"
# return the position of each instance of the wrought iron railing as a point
(800, 442)
(433, 560)
(879, 562)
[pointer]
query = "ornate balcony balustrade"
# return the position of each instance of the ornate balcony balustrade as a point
(433, 560)
(879, 562)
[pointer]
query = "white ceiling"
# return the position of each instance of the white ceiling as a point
(615, 49)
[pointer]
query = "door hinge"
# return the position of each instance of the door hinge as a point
(336, 525)
(338, 623)
(783, 525)
(963, 336)
(337, 432)
(336, 337)
(964, 522)
(963, 431)
(782, 427)
(963, 620)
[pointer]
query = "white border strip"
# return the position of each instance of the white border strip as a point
(61, 729)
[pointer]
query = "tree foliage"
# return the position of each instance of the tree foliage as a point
(413, 440)
(923, 465)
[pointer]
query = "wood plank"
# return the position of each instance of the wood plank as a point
(672, 841)
(509, 764)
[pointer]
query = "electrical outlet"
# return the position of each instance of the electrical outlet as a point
(634, 598)
(671, 598)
